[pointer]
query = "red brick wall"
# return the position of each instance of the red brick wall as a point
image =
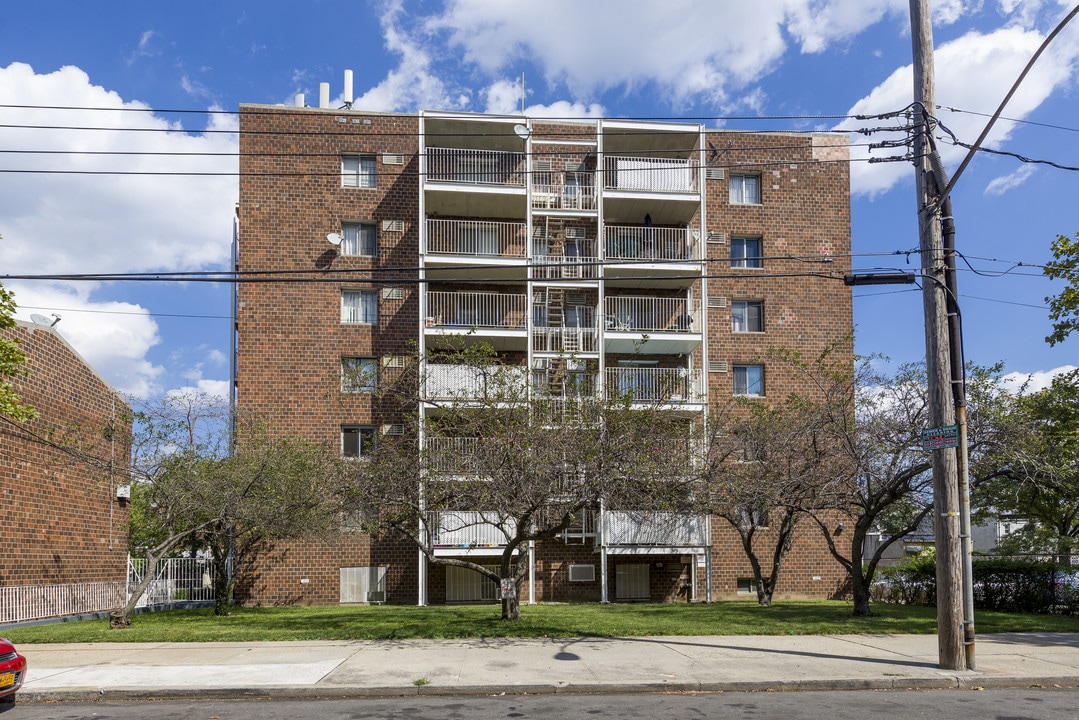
(62, 521)
(291, 339)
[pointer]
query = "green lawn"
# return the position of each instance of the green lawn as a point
(402, 622)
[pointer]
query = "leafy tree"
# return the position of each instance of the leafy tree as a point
(502, 451)
(12, 359)
(1042, 465)
(1064, 308)
(195, 490)
(769, 467)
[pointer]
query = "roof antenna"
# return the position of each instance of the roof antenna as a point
(348, 90)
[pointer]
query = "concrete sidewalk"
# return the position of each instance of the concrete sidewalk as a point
(647, 664)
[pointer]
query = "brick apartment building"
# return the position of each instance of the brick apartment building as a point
(633, 252)
(63, 548)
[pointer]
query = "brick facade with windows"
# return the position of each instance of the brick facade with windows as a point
(63, 522)
(625, 193)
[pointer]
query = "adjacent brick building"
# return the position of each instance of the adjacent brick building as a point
(63, 547)
(634, 253)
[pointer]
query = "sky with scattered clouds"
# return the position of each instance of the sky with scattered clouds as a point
(117, 143)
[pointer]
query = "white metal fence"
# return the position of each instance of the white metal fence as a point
(175, 580)
(38, 602)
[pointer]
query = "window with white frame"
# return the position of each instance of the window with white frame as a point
(359, 239)
(745, 252)
(358, 171)
(358, 374)
(747, 316)
(357, 440)
(359, 307)
(745, 189)
(748, 379)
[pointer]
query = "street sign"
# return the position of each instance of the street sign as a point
(942, 437)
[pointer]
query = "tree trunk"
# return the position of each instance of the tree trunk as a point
(223, 582)
(860, 590)
(121, 617)
(511, 609)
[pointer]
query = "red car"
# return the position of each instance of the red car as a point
(12, 671)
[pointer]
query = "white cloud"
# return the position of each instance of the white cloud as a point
(504, 98)
(66, 221)
(413, 84)
(969, 72)
(694, 50)
(1033, 382)
(113, 337)
(1001, 185)
(109, 223)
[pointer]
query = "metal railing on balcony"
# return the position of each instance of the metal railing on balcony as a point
(649, 314)
(563, 191)
(636, 242)
(668, 175)
(475, 167)
(567, 340)
(466, 529)
(570, 260)
(498, 383)
(656, 529)
(477, 238)
(659, 385)
(449, 454)
(476, 309)
(563, 383)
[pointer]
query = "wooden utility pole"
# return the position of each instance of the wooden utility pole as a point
(937, 355)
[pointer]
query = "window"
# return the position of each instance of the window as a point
(749, 380)
(358, 171)
(359, 306)
(359, 239)
(358, 374)
(747, 316)
(745, 252)
(357, 440)
(745, 189)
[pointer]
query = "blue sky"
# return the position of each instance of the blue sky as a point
(768, 65)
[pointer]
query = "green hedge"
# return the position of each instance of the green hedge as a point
(1025, 586)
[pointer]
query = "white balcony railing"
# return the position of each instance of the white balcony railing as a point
(465, 529)
(668, 175)
(550, 383)
(656, 529)
(648, 314)
(572, 260)
(500, 383)
(563, 191)
(476, 309)
(662, 385)
(475, 167)
(567, 340)
(449, 454)
(635, 242)
(477, 238)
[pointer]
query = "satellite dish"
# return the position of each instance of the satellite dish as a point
(522, 131)
(334, 239)
(42, 320)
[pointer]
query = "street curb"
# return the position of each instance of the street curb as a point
(83, 695)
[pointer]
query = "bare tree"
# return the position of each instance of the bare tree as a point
(194, 488)
(768, 467)
(885, 486)
(507, 455)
